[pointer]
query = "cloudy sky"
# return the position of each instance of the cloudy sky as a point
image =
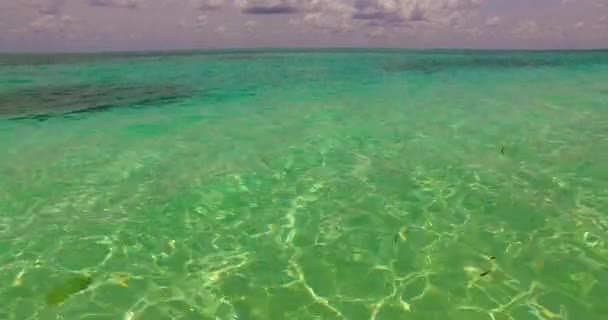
(75, 25)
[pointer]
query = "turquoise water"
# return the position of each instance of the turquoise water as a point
(336, 184)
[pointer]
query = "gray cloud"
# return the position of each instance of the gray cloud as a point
(44, 6)
(404, 13)
(377, 13)
(277, 9)
(208, 5)
(52, 6)
(116, 3)
(382, 16)
(377, 16)
(268, 6)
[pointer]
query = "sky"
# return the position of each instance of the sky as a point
(102, 25)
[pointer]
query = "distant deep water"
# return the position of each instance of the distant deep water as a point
(288, 185)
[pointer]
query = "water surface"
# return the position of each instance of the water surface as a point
(330, 184)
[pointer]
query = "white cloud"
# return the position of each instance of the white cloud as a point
(493, 21)
(347, 15)
(46, 22)
(63, 26)
(327, 22)
(392, 14)
(183, 24)
(201, 20)
(203, 10)
(135, 36)
(221, 29)
(526, 29)
(601, 25)
(377, 32)
(207, 5)
(329, 15)
(433, 22)
(473, 32)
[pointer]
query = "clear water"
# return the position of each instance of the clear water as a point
(304, 185)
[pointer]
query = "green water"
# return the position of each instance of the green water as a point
(304, 185)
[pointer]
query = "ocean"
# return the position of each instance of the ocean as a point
(304, 184)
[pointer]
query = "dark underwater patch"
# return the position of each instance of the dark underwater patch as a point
(69, 287)
(432, 62)
(44, 102)
(37, 59)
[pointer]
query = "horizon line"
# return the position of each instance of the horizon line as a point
(275, 49)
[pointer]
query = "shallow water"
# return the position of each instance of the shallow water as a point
(305, 185)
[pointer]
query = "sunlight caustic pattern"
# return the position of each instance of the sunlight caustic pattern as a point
(317, 185)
